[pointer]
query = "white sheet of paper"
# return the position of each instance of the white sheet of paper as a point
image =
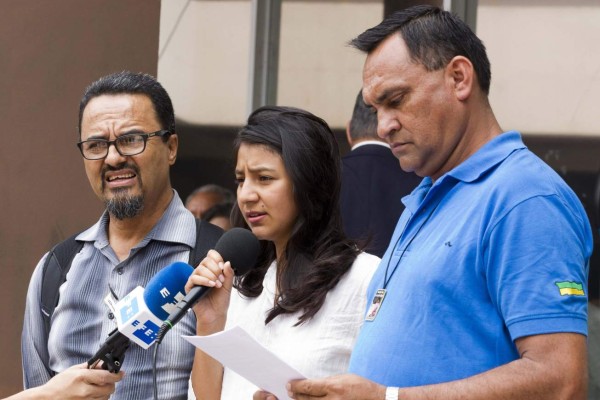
(240, 352)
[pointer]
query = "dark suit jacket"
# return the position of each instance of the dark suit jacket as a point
(372, 185)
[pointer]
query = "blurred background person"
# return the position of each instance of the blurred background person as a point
(305, 300)
(373, 183)
(206, 196)
(220, 215)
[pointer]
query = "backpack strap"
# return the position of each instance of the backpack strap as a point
(54, 274)
(207, 236)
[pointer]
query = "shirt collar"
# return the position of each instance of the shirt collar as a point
(366, 142)
(487, 157)
(176, 225)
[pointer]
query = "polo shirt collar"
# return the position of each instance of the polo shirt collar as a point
(487, 157)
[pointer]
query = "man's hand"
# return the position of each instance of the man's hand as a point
(338, 387)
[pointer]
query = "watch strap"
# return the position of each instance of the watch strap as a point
(391, 393)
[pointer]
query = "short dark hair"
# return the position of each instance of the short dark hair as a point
(433, 38)
(363, 124)
(318, 252)
(218, 210)
(226, 195)
(127, 82)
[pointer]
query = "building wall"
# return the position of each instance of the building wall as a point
(545, 64)
(50, 50)
(204, 59)
(546, 74)
(205, 54)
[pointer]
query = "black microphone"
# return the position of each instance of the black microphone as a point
(240, 247)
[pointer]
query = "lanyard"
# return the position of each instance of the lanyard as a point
(386, 280)
(379, 296)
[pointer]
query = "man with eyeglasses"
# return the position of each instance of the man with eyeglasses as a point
(128, 143)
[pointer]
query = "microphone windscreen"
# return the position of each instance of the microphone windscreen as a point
(240, 247)
(166, 288)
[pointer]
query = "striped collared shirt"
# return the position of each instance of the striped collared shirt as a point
(82, 321)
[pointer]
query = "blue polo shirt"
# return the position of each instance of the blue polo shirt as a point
(494, 250)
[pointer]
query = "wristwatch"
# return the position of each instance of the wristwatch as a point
(391, 393)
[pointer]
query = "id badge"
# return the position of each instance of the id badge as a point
(375, 305)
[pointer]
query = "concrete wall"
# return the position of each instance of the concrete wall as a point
(205, 53)
(545, 64)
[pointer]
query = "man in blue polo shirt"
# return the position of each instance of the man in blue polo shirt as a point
(482, 291)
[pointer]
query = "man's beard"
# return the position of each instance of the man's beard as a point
(123, 206)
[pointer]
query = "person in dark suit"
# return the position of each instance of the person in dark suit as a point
(373, 183)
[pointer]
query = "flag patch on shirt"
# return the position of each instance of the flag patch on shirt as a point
(570, 289)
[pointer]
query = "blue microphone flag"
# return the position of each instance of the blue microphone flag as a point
(166, 288)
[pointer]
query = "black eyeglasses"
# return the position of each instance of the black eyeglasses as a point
(127, 145)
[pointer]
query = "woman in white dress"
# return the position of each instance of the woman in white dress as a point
(305, 300)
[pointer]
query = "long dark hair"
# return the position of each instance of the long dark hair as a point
(318, 253)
